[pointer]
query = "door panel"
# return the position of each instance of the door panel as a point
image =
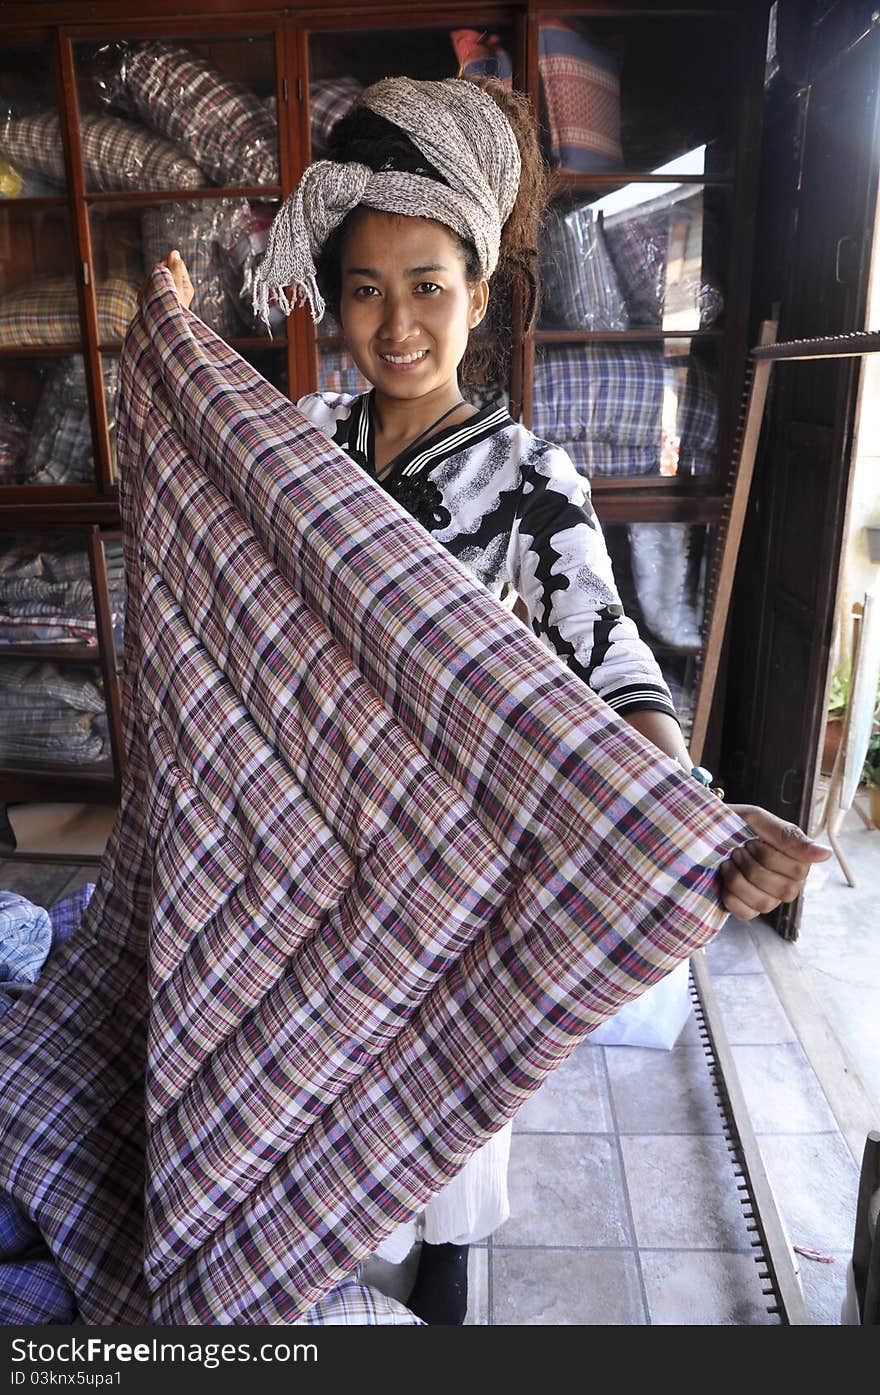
(786, 583)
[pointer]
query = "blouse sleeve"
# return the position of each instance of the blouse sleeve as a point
(560, 567)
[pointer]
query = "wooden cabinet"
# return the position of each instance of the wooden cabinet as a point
(125, 130)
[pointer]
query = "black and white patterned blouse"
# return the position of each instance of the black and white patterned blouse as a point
(515, 511)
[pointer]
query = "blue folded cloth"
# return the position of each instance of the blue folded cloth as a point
(25, 941)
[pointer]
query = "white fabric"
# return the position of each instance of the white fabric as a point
(469, 1208)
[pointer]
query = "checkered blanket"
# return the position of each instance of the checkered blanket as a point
(116, 154)
(381, 863)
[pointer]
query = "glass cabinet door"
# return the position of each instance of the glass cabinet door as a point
(178, 113)
(637, 92)
(31, 146)
(661, 570)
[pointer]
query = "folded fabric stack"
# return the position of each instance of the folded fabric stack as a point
(59, 448)
(50, 717)
(222, 125)
(46, 596)
(46, 312)
(604, 405)
(638, 244)
(116, 154)
(329, 99)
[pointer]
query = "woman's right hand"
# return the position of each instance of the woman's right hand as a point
(182, 284)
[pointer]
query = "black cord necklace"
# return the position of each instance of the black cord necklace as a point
(428, 429)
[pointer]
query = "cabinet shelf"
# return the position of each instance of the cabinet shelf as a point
(37, 202)
(561, 181)
(55, 653)
(690, 392)
(620, 336)
(64, 350)
(205, 192)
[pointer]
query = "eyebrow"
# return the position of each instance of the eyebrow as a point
(412, 271)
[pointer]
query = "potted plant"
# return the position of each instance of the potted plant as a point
(871, 776)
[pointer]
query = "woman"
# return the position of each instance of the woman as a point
(431, 190)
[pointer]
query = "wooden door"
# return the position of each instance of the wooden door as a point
(784, 609)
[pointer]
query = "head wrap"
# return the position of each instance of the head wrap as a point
(467, 139)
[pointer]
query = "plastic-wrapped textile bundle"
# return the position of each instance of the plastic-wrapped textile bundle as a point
(59, 450)
(579, 285)
(50, 717)
(46, 311)
(46, 594)
(116, 154)
(222, 125)
(638, 241)
(203, 233)
(245, 255)
(13, 443)
(115, 564)
(668, 568)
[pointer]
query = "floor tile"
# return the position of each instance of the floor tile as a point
(697, 1288)
(750, 1010)
(682, 1193)
(566, 1288)
(478, 1288)
(574, 1099)
(565, 1189)
(662, 1091)
(394, 1279)
(815, 1181)
(824, 1287)
(782, 1093)
(733, 951)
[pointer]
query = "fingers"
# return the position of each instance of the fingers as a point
(787, 838)
(762, 877)
(180, 276)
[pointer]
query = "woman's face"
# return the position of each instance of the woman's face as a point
(405, 304)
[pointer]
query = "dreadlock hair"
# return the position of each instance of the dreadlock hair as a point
(367, 138)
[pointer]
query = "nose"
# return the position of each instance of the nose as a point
(398, 320)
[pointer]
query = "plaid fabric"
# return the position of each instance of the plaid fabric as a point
(329, 99)
(604, 405)
(359, 804)
(46, 312)
(638, 243)
(59, 449)
(33, 1292)
(25, 939)
(579, 287)
(66, 915)
(580, 87)
(203, 233)
(13, 441)
(338, 372)
(220, 124)
(116, 154)
(18, 1234)
(481, 55)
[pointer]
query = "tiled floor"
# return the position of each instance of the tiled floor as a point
(624, 1203)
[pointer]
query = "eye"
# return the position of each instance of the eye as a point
(427, 288)
(365, 292)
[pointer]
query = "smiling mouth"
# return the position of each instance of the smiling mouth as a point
(404, 358)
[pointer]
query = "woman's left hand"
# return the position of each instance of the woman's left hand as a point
(770, 869)
(180, 276)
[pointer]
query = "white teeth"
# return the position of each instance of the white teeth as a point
(404, 358)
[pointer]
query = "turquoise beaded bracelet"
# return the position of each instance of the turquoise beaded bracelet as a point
(705, 777)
